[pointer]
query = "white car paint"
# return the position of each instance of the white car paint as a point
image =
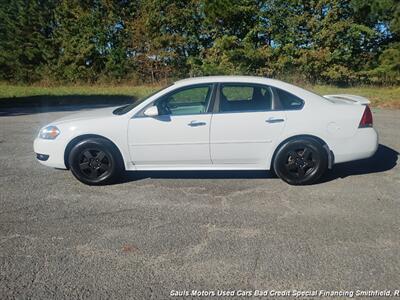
(168, 141)
(244, 138)
(239, 140)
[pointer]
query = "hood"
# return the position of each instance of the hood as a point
(87, 115)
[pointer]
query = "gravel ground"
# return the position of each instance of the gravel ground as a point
(159, 232)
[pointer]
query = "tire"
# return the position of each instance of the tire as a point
(96, 161)
(300, 161)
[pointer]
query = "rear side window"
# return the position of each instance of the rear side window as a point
(289, 101)
(244, 97)
(238, 93)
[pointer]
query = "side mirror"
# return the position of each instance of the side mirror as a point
(152, 111)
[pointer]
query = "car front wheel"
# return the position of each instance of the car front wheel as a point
(95, 161)
(301, 161)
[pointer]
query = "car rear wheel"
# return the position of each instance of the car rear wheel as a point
(301, 161)
(95, 161)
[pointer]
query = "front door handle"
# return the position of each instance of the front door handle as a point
(197, 123)
(275, 120)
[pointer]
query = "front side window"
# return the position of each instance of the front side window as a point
(244, 97)
(128, 107)
(187, 101)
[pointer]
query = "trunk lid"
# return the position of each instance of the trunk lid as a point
(347, 99)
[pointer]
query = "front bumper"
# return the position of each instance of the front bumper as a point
(42, 157)
(50, 153)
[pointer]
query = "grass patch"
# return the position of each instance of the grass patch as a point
(384, 97)
(11, 91)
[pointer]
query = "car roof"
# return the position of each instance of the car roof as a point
(212, 79)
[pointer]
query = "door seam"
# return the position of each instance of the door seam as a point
(209, 138)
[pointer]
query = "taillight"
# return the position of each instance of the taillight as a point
(366, 119)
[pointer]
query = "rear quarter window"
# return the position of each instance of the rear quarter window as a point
(289, 101)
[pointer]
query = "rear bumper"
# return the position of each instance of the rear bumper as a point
(362, 145)
(49, 153)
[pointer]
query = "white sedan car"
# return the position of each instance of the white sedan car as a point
(214, 123)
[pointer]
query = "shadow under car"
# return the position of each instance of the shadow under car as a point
(384, 159)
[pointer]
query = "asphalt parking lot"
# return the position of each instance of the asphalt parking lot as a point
(158, 232)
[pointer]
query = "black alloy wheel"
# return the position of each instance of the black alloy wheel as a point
(301, 161)
(96, 161)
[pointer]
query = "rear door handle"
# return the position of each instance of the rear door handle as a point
(197, 123)
(275, 120)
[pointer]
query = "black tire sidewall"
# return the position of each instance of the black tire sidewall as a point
(281, 156)
(99, 144)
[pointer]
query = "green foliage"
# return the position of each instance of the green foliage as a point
(25, 39)
(388, 70)
(340, 42)
(90, 39)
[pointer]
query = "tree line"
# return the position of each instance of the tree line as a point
(318, 41)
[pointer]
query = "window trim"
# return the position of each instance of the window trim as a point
(276, 103)
(212, 86)
(213, 104)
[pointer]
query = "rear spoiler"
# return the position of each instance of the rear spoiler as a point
(348, 98)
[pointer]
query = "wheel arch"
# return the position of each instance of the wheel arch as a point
(83, 137)
(331, 157)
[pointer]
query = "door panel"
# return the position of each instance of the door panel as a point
(246, 126)
(179, 135)
(170, 140)
(244, 138)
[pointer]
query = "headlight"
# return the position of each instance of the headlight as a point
(49, 133)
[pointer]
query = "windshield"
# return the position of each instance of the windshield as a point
(128, 107)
